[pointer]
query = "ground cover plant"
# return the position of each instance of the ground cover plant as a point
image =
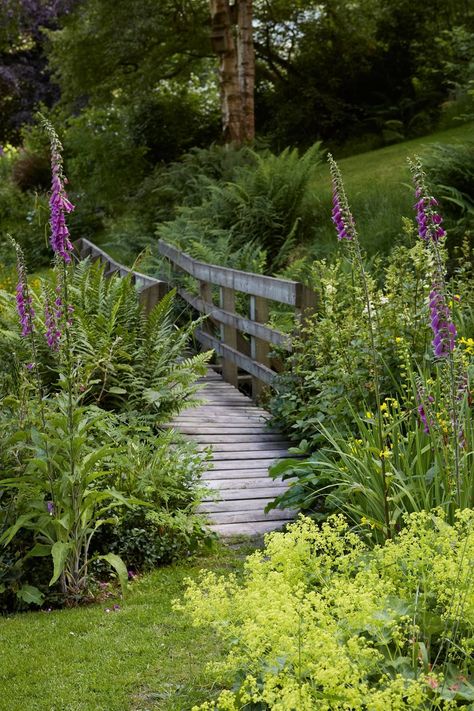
(321, 620)
(86, 478)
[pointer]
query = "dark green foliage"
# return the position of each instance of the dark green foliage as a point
(451, 169)
(23, 213)
(267, 206)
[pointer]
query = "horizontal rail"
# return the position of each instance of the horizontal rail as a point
(252, 328)
(281, 290)
(264, 374)
(86, 248)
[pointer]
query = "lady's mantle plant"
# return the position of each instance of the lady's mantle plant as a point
(320, 621)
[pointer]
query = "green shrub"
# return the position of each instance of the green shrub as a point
(319, 621)
(23, 213)
(267, 205)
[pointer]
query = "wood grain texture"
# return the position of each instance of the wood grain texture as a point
(234, 428)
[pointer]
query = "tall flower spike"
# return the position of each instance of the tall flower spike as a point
(341, 213)
(53, 333)
(444, 330)
(24, 307)
(59, 203)
(428, 218)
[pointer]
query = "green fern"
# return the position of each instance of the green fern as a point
(127, 360)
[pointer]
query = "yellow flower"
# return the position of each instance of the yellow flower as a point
(369, 415)
(385, 453)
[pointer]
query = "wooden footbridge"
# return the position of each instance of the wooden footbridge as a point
(227, 420)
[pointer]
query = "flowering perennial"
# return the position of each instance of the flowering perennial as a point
(59, 202)
(23, 298)
(444, 330)
(341, 213)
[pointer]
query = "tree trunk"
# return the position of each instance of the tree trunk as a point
(232, 41)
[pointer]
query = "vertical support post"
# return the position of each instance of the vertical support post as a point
(205, 292)
(228, 335)
(306, 302)
(150, 296)
(258, 349)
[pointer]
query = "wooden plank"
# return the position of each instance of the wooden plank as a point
(242, 464)
(240, 446)
(281, 290)
(235, 505)
(247, 529)
(242, 483)
(253, 493)
(234, 474)
(252, 455)
(264, 374)
(240, 323)
(252, 516)
(217, 431)
(244, 438)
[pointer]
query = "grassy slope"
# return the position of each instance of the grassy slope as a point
(378, 186)
(142, 657)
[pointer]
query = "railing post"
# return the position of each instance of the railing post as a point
(306, 302)
(228, 335)
(258, 349)
(151, 295)
(205, 292)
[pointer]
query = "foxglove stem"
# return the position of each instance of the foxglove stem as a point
(59, 203)
(444, 331)
(346, 231)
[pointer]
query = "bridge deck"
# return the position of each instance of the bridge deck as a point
(243, 447)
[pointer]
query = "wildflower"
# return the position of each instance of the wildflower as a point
(422, 399)
(385, 453)
(369, 415)
(443, 328)
(341, 214)
(24, 308)
(59, 202)
(428, 218)
(50, 507)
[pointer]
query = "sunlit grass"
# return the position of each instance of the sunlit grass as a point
(379, 190)
(142, 656)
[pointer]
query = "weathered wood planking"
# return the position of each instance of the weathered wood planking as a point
(243, 448)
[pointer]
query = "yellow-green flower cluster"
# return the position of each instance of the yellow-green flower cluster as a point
(318, 616)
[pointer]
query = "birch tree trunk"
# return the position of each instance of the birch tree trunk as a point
(232, 41)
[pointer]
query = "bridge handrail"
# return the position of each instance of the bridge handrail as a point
(261, 289)
(151, 289)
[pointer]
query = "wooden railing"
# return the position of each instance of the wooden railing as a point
(151, 290)
(223, 330)
(251, 356)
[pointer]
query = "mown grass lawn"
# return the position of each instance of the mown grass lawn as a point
(142, 656)
(378, 185)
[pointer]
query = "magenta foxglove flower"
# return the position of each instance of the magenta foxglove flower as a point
(444, 330)
(341, 214)
(24, 306)
(59, 203)
(428, 218)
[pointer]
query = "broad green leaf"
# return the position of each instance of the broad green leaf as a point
(39, 549)
(59, 551)
(30, 595)
(119, 566)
